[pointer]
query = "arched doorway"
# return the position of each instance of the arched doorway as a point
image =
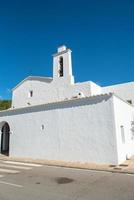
(5, 139)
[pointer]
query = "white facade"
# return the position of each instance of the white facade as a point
(46, 90)
(124, 91)
(58, 119)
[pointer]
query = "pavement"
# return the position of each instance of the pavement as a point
(126, 167)
(32, 181)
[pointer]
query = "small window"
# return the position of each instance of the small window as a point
(129, 101)
(42, 127)
(132, 130)
(132, 135)
(31, 93)
(122, 134)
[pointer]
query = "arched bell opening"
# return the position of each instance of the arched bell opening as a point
(61, 66)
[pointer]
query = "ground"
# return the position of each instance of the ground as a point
(41, 182)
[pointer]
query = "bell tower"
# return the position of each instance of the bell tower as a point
(62, 65)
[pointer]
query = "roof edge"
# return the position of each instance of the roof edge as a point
(48, 79)
(57, 102)
(118, 84)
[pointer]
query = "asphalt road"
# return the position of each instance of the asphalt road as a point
(55, 183)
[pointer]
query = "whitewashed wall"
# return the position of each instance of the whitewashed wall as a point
(123, 115)
(41, 93)
(77, 130)
(124, 91)
(95, 89)
(46, 92)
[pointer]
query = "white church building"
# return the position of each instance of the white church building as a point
(57, 119)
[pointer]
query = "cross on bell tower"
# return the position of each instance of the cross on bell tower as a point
(62, 65)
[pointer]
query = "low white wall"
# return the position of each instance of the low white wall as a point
(124, 91)
(78, 130)
(123, 115)
(95, 89)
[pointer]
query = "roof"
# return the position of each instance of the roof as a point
(40, 107)
(34, 78)
(120, 84)
(51, 105)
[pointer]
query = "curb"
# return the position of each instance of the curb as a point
(119, 169)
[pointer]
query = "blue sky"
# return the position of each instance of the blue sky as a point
(99, 32)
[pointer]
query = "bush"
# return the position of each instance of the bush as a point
(5, 104)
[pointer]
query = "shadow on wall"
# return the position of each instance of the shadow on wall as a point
(57, 105)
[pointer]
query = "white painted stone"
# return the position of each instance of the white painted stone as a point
(77, 130)
(62, 48)
(123, 116)
(58, 119)
(125, 91)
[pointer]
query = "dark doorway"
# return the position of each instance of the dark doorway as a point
(5, 139)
